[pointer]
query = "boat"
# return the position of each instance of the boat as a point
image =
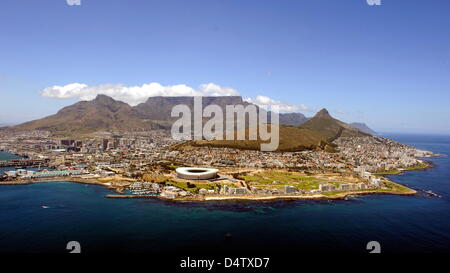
(433, 194)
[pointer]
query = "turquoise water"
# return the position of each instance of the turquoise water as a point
(7, 156)
(81, 213)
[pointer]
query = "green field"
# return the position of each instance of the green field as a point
(306, 185)
(418, 167)
(396, 171)
(396, 187)
(297, 180)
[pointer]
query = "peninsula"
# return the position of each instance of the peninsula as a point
(130, 151)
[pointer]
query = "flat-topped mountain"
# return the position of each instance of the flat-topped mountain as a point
(102, 113)
(158, 109)
(330, 128)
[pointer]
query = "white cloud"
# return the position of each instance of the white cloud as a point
(304, 108)
(266, 102)
(63, 92)
(212, 89)
(134, 95)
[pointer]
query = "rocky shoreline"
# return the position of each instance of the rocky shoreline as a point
(261, 198)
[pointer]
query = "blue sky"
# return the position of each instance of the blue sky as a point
(388, 65)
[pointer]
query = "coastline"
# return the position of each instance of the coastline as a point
(340, 195)
(205, 198)
(56, 179)
(426, 165)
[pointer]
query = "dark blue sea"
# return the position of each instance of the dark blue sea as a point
(76, 212)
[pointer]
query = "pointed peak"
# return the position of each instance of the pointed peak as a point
(104, 99)
(323, 113)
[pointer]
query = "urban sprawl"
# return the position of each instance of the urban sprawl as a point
(144, 163)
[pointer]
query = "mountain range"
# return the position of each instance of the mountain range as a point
(297, 132)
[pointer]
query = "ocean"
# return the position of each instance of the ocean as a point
(77, 212)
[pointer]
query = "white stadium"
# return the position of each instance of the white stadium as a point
(196, 173)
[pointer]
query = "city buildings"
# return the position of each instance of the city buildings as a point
(132, 154)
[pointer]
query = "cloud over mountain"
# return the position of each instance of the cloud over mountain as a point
(265, 103)
(133, 95)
